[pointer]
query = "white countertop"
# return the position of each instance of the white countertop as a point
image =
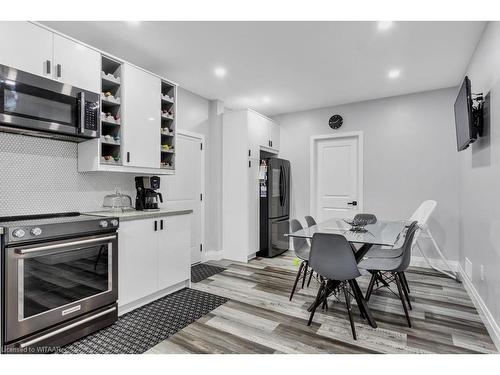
(137, 215)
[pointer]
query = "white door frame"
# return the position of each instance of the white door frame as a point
(313, 166)
(201, 138)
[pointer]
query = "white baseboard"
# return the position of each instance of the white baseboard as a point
(439, 263)
(123, 309)
(484, 312)
(211, 255)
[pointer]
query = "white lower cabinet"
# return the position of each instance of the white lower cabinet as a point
(137, 260)
(151, 259)
(174, 251)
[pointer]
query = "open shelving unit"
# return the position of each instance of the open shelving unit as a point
(111, 112)
(168, 125)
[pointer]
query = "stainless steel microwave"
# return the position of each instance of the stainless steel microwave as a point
(33, 105)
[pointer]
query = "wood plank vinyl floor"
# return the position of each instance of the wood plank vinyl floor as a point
(259, 318)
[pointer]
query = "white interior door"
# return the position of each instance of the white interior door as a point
(336, 189)
(184, 189)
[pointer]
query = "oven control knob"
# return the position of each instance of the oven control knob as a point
(114, 222)
(36, 231)
(18, 233)
(103, 224)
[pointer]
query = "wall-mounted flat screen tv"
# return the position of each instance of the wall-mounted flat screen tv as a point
(464, 121)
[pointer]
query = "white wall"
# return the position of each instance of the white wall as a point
(409, 156)
(480, 178)
(214, 179)
(200, 115)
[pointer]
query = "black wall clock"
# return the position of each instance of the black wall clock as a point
(335, 121)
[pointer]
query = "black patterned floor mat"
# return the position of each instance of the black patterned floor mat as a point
(143, 328)
(202, 271)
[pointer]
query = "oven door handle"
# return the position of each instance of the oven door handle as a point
(64, 329)
(62, 245)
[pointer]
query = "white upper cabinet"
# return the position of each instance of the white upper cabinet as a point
(76, 64)
(141, 106)
(258, 131)
(274, 135)
(33, 49)
(27, 47)
(263, 132)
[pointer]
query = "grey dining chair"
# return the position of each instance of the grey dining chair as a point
(302, 250)
(310, 221)
(391, 270)
(333, 259)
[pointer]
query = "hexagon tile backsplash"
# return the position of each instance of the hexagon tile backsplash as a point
(39, 175)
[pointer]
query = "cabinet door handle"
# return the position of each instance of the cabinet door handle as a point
(48, 67)
(128, 157)
(59, 70)
(271, 143)
(156, 225)
(161, 224)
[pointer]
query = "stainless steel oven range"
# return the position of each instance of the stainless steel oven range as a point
(59, 279)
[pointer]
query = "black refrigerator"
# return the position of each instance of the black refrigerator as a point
(274, 206)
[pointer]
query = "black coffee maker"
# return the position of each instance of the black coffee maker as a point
(147, 198)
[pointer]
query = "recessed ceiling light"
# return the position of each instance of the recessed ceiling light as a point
(220, 72)
(134, 23)
(384, 25)
(266, 99)
(394, 73)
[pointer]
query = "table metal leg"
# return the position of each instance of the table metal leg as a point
(363, 306)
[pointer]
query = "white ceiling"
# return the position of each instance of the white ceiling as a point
(296, 65)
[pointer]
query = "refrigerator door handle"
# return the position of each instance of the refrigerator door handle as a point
(281, 185)
(285, 186)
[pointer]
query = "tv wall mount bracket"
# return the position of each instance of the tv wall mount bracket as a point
(477, 113)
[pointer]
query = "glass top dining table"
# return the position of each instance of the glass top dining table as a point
(385, 233)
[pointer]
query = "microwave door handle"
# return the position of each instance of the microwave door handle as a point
(81, 112)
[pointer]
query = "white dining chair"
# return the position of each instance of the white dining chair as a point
(422, 215)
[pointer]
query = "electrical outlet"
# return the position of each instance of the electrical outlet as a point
(482, 272)
(468, 268)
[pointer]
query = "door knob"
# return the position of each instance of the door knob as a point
(353, 203)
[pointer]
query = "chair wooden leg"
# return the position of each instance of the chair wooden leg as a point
(349, 311)
(316, 301)
(400, 290)
(405, 282)
(296, 280)
(310, 277)
(373, 280)
(399, 274)
(305, 273)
